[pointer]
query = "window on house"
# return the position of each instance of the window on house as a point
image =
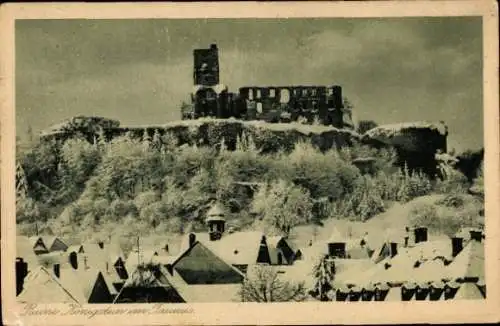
(313, 92)
(120, 270)
(258, 94)
(57, 270)
(272, 92)
(250, 94)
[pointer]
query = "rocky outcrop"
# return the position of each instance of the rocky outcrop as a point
(268, 137)
(416, 143)
(469, 163)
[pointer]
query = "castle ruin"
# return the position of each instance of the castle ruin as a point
(210, 98)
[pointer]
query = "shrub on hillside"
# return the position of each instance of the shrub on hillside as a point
(245, 163)
(78, 161)
(449, 220)
(169, 142)
(478, 183)
(145, 199)
(40, 164)
(172, 197)
(454, 182)
(425, 215)
(101, 205)
(402, 185)
(189, 160)
(172, 225)
(283, 205)
(269, 141)
(414, 184)
(152, 214)
(363, 203)
(27, 210)
(120, 208)
(452, 200)
(322, 174)
(128, 167)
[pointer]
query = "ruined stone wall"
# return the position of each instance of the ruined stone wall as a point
(289, 103)
(268, 103)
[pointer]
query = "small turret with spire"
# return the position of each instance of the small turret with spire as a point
(216, 220)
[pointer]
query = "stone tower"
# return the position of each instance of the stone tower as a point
(206, 66)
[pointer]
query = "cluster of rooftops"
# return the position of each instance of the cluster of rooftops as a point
(212, 266)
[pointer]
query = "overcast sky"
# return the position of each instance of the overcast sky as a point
(139, 71)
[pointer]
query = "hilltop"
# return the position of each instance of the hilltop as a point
(160, 179)
(415, 143)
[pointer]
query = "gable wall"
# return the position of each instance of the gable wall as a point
(100, 292)
(58, 245)
(201, 266)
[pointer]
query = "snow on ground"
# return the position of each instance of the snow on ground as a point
(396, 217)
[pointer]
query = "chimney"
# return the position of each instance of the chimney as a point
(57, 270)
(192, 239)
(394, 249)
(476, 235)
(420, 234)
(456, 246)
(21, 272)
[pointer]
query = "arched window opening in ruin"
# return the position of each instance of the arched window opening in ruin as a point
(211, 95)
(259, 107)
(284, 96)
